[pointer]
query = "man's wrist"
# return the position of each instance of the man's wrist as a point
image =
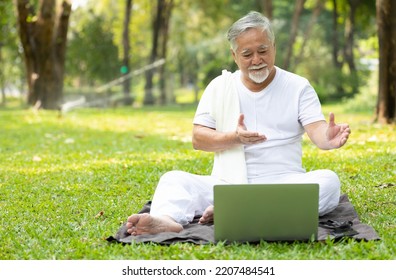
(236, 139)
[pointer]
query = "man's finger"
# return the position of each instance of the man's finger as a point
(331, 119)
(241, 119)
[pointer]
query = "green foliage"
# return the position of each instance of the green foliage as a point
(10, 57)
(67, 183)
(366, 100)
(92, 54)
(197, 46)
(200, 51)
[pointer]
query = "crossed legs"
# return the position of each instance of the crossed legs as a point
(180, 196)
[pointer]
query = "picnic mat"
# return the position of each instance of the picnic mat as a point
(342, 222)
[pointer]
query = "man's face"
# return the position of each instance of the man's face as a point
(255, 57)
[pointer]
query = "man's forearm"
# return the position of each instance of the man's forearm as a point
(210, 140)
(317, 134)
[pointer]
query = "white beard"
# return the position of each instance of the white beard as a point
(259, 77)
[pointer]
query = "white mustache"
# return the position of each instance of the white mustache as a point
(257, 67)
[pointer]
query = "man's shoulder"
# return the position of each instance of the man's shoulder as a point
(290, 76)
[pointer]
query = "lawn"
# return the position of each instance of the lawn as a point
(68, 182)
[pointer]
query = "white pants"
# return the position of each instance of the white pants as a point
(183, 195)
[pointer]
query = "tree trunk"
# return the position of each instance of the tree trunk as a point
(149, 96)
(159, 48)
(336, 47)
(268, 9)
(386, 22)
(164, 34)
(349, 43)
(2, 80)
(336, 44)
(314, 17)
(43, 37)
(349, 35)
(293, 33)
(126, 45)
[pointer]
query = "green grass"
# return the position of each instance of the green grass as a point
(67, 183)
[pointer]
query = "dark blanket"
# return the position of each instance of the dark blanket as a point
(343, 222)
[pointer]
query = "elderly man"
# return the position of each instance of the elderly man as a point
(253, 120)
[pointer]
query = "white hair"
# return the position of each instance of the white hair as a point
(251, 20)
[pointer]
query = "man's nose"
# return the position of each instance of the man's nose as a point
(256, 59)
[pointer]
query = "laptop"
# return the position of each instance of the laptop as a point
(270, 212)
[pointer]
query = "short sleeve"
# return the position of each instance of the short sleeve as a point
(310, 109)
(203, 114)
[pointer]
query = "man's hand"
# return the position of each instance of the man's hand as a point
(328, 136)
(247, 137)
(337, 135)
(210, 140)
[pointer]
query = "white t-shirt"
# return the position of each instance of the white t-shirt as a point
(279, 112)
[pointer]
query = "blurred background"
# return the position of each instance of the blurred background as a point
(101, 53)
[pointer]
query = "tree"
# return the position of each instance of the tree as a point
(201, 46)
(9, 54)
(126, 47)
(164, 31)
(4, 21)
(158, 49)
(92, 56)
(268, 9)
(350, 26)
(43, 34)
(148, 88)
(293, 33)
(307, 32)
(386, 22)
(335, 45)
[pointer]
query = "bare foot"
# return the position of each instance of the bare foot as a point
(139, 224)
(207, 215)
